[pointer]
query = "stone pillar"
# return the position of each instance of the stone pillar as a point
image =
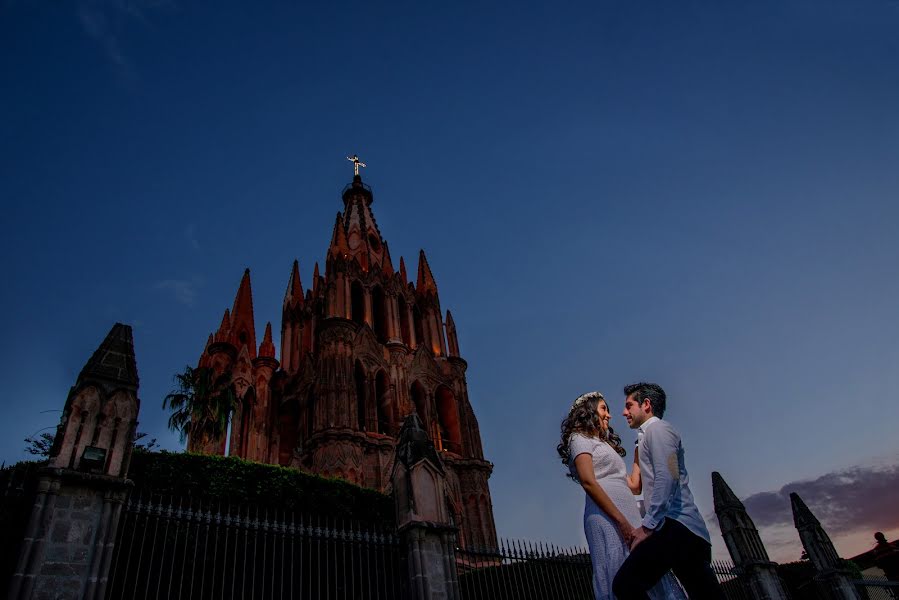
(69, 541)
(744, 544)
(419, 489)
(832, 579)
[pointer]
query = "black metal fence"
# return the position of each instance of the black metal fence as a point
(17, 493)
(734, 586)
(876, 588)
(523, 570)
(169, 547)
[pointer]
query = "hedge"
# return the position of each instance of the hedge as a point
(241, 481)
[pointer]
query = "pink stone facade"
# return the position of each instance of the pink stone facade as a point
(360, 350)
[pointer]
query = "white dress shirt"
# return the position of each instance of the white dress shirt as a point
(666, 491)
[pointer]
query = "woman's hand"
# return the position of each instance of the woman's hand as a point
(627, 532)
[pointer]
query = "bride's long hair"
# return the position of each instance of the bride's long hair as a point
(583, 419)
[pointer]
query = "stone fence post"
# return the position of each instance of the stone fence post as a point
(423, 522)
(744, 544)
(832, 579)
(68, 544)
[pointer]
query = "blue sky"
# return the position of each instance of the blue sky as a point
(703, 194)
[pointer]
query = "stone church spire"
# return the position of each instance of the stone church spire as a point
(243, 327)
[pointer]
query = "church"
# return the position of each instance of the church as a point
(360, 349)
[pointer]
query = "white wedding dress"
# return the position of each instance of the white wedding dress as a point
(607, 549)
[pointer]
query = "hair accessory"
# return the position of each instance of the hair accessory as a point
(584, 397)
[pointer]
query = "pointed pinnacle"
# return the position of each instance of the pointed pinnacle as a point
(339, 245)
(403, 271)
(387, 265)
(802, 516)
(225, 327)
(113, 361)
(294, 292)
(267, 348)
(426, 281)
(450, 324)
(244, 298)
(723, 496)
(315, 278)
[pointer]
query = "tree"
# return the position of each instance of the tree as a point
(40, 445)
(202, 403)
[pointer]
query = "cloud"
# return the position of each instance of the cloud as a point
(184, 291)
(849, 503)
(105, 22)
(844, 501)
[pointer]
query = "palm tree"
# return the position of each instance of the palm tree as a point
(202, 404)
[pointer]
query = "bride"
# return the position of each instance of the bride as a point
(593, 454)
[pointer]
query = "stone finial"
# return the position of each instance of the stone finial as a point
(722, 495)
(294, 294)
(113, 364)
(267, 348)
(426, 282)
(414, 444)
(243, 326)
(419, 477)
(744, 543)
(802, 516)
(100, 416)
(832, 579)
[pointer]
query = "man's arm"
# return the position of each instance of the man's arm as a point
(634, 481)
(662, 444)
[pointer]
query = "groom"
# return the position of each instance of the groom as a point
(673, 536)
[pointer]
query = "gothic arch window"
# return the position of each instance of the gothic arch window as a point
(385, 404)
(310, 414)
(420, 399)
(419, 329)
(288, 430)
(357, 300)
(448, 421)
(361, 389)
(379, 313)
(404, 320)
(246, 417)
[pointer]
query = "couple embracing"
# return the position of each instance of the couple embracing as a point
(632, 555)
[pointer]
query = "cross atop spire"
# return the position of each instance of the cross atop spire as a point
(356, 164)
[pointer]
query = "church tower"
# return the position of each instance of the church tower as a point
(360, 350)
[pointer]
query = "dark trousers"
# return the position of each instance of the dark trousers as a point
(675, 548)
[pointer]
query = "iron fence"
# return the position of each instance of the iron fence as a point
(171, 547)
(732, 584)
(524, 570)
(17, 494)
(876, 588)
